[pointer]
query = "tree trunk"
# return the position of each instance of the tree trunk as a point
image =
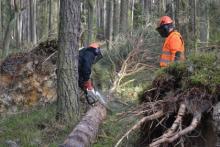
(194, 23)
(7, 38)
(67, 68)
(98, 18)
(90, 21)
(26, 26)
(33, 21)
(173, 11)
(28, 19)
(50, 19)
(86, 131)
(132, 14)
(102, 19)
(109, 21)
(124, 16)
(160, 7)
(146, 10)
(2, 19)
(204, 22)
(18, 27)
(144, 5)
(177, 9)
(116, 18)
(1, 30)
(43, 20)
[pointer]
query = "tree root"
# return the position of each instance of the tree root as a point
(137, 125)
(192, 102)
(178, 120)
(171, 136)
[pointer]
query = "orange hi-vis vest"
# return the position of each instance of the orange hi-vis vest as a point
(173, 43)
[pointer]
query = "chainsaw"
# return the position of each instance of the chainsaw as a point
(94, 96)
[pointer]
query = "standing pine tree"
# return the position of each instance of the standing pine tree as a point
(67, 68)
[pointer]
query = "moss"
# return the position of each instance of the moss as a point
(204, 69)
(200, 69)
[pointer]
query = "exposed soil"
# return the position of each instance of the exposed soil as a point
(28, 78)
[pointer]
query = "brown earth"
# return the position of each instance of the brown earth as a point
(29, 78)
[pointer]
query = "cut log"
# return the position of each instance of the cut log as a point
(84, 134)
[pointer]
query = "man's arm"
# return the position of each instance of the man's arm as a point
(87, 66)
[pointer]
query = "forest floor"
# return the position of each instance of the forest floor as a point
(37, 127)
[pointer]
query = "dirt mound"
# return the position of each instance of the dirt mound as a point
(29, 78)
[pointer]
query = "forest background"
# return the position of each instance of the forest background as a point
(120, 25)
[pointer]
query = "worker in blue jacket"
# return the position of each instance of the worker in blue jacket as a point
(87, 57)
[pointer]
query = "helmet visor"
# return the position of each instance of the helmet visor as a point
(164, 30)
(98, 54)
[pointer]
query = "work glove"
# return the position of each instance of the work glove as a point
(88, 85)
(90, 92)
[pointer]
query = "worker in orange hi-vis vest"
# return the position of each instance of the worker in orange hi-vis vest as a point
(173, 47)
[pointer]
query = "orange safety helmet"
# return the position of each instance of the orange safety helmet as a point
(94, 45)
(165, 25)
(165, 20)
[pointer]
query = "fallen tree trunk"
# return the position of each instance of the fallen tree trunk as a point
(85, 132)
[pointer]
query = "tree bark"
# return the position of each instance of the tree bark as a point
(102, 20)
(67, 68)
(86, 131)
(33, 21)
(25, 20)
(90, 21)
(7, 38)
(132, 14)
(18, 27)
(177, 14)
(109, 21)
(1, 30)
(116, 18)
(98, 18)
(2, 19)
(147, 10)
(124, 16)
(204, 22)
(50, 19)
(194, 23)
